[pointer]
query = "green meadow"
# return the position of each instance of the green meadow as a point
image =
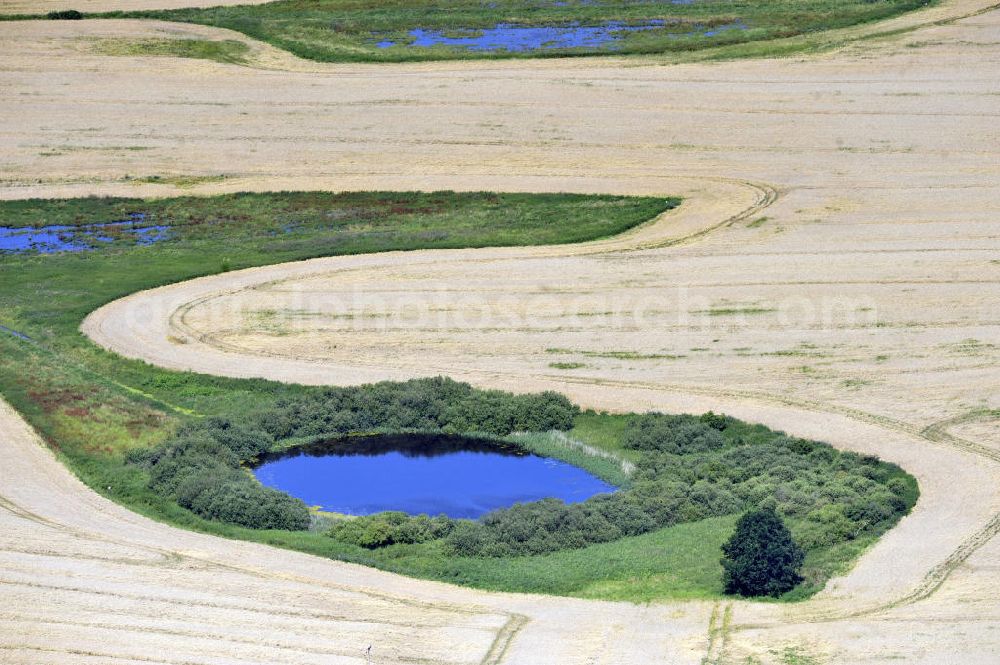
(415, 30)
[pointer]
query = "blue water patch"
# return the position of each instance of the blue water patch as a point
(515, 38)
(423, 474)
(715, 30)
(15, 333)
(518, 38)
(66, 238)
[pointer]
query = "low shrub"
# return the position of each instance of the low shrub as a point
(249, 504)
(65, 15)
(391, 528)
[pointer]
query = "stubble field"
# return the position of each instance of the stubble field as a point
(832, 272)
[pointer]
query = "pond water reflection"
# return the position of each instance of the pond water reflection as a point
(432, 474)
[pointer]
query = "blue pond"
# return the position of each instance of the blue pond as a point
(64, 238)
(416, 474)
(515, 38)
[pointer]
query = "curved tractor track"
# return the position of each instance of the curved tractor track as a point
(852, 298)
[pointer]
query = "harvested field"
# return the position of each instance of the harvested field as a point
(832, 272)
(44, 6)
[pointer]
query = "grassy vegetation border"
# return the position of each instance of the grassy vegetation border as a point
(92, 406)
(343, 30)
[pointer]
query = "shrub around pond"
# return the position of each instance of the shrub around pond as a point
(687, 468)
(391, 528)
(690, 468)
(200, 466)
(433, 405)
(200, 470)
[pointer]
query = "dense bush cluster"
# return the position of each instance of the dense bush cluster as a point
(437, 404)
(200, 469)
(200, 466)
(64, 15)
(691, 468)
(391, 528)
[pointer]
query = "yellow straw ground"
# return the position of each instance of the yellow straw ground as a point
(832, 272)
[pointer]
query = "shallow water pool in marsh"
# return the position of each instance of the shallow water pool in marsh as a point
(432, 474)
(518, 38)
(79, 238)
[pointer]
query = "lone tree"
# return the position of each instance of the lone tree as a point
(761, 559)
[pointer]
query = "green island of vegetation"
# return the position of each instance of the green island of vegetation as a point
(408, 30)
(172, 445)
